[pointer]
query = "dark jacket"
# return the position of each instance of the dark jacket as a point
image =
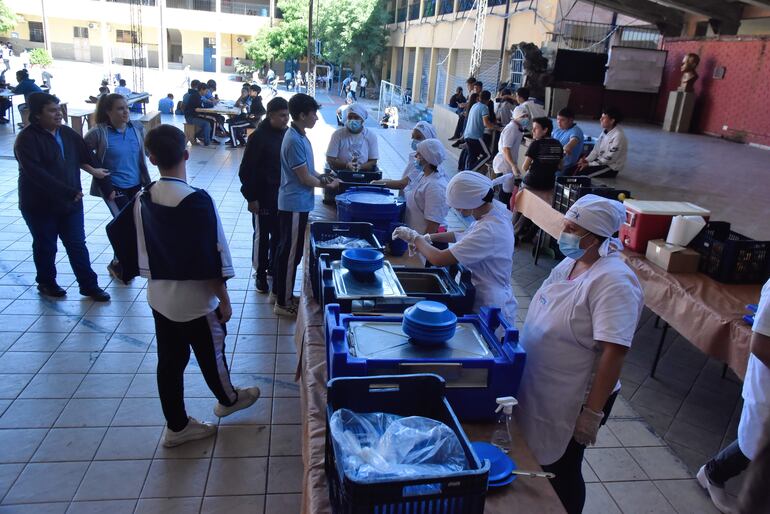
(49, 182)
(260, 170)
(256, 110)
(193, 102)
(26, 87)
(457, 99)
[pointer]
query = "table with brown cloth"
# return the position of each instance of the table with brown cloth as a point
(707, 313)
(525, 495)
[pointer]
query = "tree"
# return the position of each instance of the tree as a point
(40, 57)
(8, 18)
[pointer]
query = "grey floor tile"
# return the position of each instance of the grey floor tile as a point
(23, 362)
(283, 503)
(258, 326)
(613, 464)
(54, 323)
(88, 412)
(102, 507)
(32, 413)
(588, 474)
(285, 344)
(113, 480)
(605, 438)
(237, 476)
(693, 437)
(38, 342)
(104, 385)
(257, 414)
(130, 343)
(139, 412)
(201, 449)
(286, 440)
(70, 362)
(117, 362)
(634, 433)
(284, 475)
(259, 363)
(639, 498)
(145, 385)
(686, 496)
(69, 444)
(236, 505)
(254, 344)
(599, 501)
(129, 443)
(167, 505)
(286, 410)
(8, 475)
(54, 385)
(263, 381)
(242, 441)
(176, 478)
(13, 383)
(286, 363)
(35, 508)
(47, 482)
(660, 463)
(18, 445)
(84, 342)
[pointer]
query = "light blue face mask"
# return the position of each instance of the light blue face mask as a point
(569, 245)
(414, 144)
(418, 165)
(355, 126)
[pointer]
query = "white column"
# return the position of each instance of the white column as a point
(106, 41)
(218, 67)
(162, 37)
(46, 35)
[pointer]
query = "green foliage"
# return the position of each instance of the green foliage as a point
(40, 56)
(7, 18)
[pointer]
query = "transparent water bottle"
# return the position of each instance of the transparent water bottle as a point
(502, 434)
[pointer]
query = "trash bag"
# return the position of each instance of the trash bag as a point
(344, 242)
(386, 446)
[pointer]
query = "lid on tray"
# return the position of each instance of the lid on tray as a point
(382, 283)
(665, 208)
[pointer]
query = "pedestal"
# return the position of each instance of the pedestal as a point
(679, 111)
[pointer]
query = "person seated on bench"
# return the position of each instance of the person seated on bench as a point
(608, 158)
(239, 124)
(122, 89)
(191, 116)
(166, 105)
(103, 90)
(25, 86)
(353, 146)
(5, 104)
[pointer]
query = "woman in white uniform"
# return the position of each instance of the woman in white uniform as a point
(426, 205)
(506, 162)
(486, 248)
(735, 458)
(353, 147)
(422, 131)
(579, 326)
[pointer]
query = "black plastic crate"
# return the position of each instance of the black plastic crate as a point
(567, 190)
(348, 179)
(404, 395)
(325, 230)
(730, 257)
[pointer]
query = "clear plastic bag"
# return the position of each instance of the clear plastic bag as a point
(380, 445)
(344, 241)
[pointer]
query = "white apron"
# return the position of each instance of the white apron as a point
(756, 410)
(557, 373)
(415, 219)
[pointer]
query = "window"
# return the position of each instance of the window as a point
(429, 9)
(125, 36)
(517, 69)
(446, 6)
(36, 31)
(414, 10)
(80, 32)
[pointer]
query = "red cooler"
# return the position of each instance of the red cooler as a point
(650, 219)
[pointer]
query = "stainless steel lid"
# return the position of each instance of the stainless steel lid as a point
(384, 283)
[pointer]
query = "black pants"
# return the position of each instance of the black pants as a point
(122, 198)
(598, 172)
(291, 244)
(568, 483)
(460, 127)
(206, 336)
(265, 243)
(477, 154)
(728, 463)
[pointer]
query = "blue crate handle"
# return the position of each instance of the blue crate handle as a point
(752, 307)
(426, 385)
(494, 318)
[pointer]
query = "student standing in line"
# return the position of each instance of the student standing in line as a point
(178, 225)
(295, 199)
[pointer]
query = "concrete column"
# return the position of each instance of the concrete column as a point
(162, 37)
(422, 9)
(46, 34)
(456, 6)
(432, 75)
(417, 75)
(106, 40)
(394, 64)
(405, 73)
(218, 61)
(450, 68)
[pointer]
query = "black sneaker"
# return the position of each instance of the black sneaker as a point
(97, 294)
(53, 290)
(262, 286)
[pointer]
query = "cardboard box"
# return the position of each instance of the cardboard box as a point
(672, 258)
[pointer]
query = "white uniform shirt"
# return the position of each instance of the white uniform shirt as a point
(343, 143)
(411, 173)
(426, 201)
(510, 138)
(486, 249)
(756, 386)
(184, 300)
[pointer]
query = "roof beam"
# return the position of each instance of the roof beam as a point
(669, 21)
(716, 9)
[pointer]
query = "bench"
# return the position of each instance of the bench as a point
(150, 120)
(189, 132)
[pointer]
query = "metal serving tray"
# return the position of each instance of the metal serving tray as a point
(421, 283)
(384, 284)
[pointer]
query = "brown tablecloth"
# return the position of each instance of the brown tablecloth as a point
(525, 495)
(707, 313)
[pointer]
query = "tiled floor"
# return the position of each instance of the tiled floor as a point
(80, 421)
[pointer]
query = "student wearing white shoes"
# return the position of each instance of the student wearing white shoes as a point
(183, 253)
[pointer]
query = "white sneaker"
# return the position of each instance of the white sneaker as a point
(246, 398)
(288, 311)
(193, 431)
(719, 497)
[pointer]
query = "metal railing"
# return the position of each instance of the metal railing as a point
(253, 8)
(194, 5)
(598, 37)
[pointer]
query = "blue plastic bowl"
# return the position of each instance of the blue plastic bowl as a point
(501, 465)
(430, 314)
(361, 261)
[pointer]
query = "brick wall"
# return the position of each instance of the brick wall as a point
(741, 100)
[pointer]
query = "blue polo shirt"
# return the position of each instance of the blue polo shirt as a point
(293, 195)
(563, 136)
(122, 157)
(474, 127)
(166, 105)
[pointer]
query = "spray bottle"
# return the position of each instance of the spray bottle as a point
(502, 434)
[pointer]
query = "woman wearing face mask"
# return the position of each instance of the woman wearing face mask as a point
(579, 327)
(426, 205)
(486, 248)
(353, 147)
(422, 131)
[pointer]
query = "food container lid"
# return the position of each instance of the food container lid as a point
(665, 208)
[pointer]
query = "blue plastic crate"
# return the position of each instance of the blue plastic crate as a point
(473, 383)
(375, 205)
(404, 395)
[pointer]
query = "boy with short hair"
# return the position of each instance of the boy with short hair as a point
(166, 105)
(295, 199)
(183, 253)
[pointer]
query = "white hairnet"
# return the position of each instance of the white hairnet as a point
(600, 216)
(426, 129)
(468, 190)
(358, 109)
(520, 111)
(432, 150)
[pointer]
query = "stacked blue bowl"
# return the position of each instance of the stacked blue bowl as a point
(362, 262)
(429, 323)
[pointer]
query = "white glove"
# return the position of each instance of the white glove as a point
(587, 426)
(405, 234)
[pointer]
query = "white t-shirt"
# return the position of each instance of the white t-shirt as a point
(343, 143)
(486, 249)
(511, 138)
(353, 85)
(123, 90)
(183, 300)
(756, 385)
(427, 201)
(363, 81)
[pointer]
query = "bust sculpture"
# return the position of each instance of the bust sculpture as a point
(689, 76)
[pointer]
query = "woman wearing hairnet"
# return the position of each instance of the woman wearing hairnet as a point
(353, 146)
(422, 131)
(486, 248)
(578, 329)
(426, 205)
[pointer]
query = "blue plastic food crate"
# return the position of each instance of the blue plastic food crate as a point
(404, 395)
(473, 383)
(374, 205)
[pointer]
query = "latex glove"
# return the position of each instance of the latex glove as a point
(587, 426)
(406, 234)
